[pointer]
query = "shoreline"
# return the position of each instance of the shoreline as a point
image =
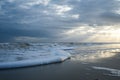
(19, 67)
(67, 70)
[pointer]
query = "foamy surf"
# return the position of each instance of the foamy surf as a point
(32, 56)
(113, 72)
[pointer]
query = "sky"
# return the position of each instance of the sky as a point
(59, 20)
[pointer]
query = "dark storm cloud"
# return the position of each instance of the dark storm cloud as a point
(90, 10)
(8, 32)
(111, 17)
(49, 19)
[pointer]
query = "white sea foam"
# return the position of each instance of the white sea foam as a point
(34, 55)
(114, 72)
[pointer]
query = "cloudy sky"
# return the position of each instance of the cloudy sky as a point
(60, 20)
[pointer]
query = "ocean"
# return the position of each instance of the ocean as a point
(87, 61)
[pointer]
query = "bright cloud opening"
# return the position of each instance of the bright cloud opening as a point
(94, 34)
(61, 9)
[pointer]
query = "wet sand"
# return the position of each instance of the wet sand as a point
(68, 70)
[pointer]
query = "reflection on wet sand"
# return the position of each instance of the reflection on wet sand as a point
(92, 57)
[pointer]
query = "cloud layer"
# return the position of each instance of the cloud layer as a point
(56, 20)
